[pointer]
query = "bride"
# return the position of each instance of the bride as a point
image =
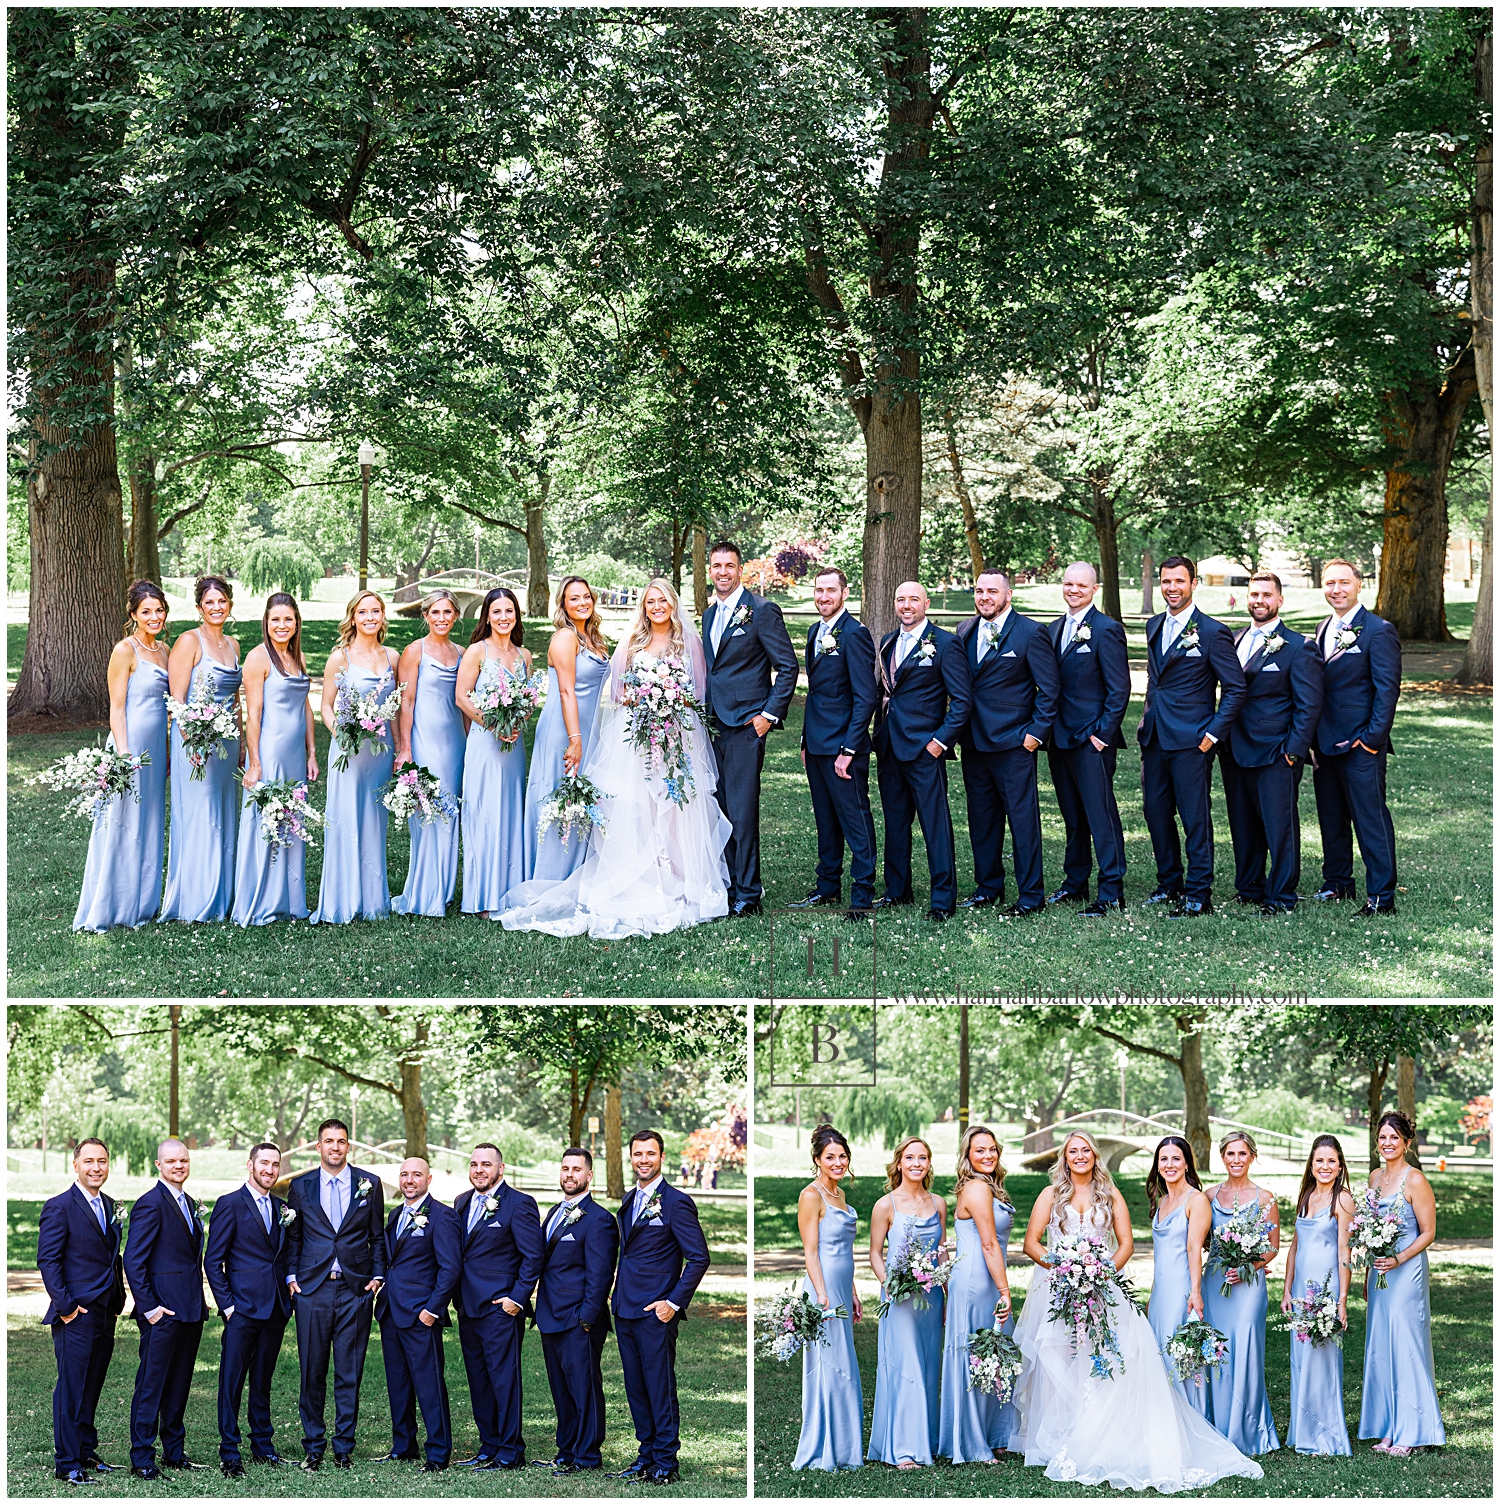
(1136, 1430)
(656, 865)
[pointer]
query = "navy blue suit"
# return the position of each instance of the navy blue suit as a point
(1361, 685)
(422, 1268)
(572, 1315)
(1094, 674)
(246, 1266)
(164, 1265)
(1014, 696)
(661, 1259)
(81, 1266)
(843, 687)
(739, 689)
(1283, 699)
(502, 1257)
(1180, 711)
(926, 700)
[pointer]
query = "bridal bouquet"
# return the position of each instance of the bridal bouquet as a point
(286, 814)
(1241, 1243)
(912, 1273)
(1315, 1316)
(1081, 1295)
(789, 1322)
(92, 777)
(1373, 1235)
(361, 718)
(660, 704)
(572, 805)
(994, 1362)
(414, 793)
(506, 700)
(203, 723)
(1193, 1350)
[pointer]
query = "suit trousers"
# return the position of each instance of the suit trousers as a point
(414, 1374)
(648, 1357)
(332, 1320)
(250, 1349)
(83, 1347)
(168, 1351)
(1083, 778)
(740, 755)
(576, 1380)
(1001, 787)
(1350, 792)
(1264, 825)
(841, 812)
(917, 788)
(491, 1347)
(1175, 785)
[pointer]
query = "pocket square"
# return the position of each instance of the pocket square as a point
(1193, 653)
(567, 1238)
(1085, 649)
(1009, 653)
(418, 1232)
(1354, 649)
(738, 632)
(656, 1223)
(1270, 668)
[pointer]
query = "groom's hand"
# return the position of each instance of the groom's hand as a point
(664, 1310)
(761, 725)
(841, 764)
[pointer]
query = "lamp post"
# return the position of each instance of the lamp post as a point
(366, 460)
(477, 531)
(44, 1133)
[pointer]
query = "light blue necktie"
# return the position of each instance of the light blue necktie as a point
(476, 1209)
(98, 1205)
(265, 1211)
(1169, 634)
(403, 1222)
(182, 1207)
(1070, 626)
(721, 622)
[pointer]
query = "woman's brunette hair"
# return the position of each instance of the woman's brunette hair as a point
(967, 1171)
(1156, 1183)
(1400, 1123)
(348, 631)
(593, 630)
(482, 628)
(294, 643)
(893, 1176)
(825, 1135)
(206, 583)
(142, 591)
(1310, 1182)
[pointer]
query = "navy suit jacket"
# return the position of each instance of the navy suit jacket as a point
(739, 674)
(502, 1256)
(247, 1266)
(1180, 707)
(1283, 700)
(80, 1261)
(1095, 682)
(928, 699)
(421, 1266)
(359, 1243)
(578, 1268)
(660, 1260)
(1014, 691)
(1360, 686)
(164, 1258)
(843, 689)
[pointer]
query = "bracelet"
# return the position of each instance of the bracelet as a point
(576, 737)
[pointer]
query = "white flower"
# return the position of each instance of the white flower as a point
(926, 649)
(1082, 634)
(742, 615)
(419, 1220)
(1345, 637)
(287, 1216)
(1273, 644)
(491, 1203)
(363, 1189)
(829, 641)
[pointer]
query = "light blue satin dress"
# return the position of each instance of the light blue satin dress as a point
(354, 885)
(122, 876)
(1399, 1401)
(437, 744)
(205, 815)
(904, 1428)
(1171, 1285)
(833, 1404)
(1317, 1421)
(1237, 1402)
(546, 857)
(973, 1423)
(265, 890)
(494, 813)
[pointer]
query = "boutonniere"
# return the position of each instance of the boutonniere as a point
(742, 614)
(573, 1214)
(1082, 634)
(652, 1209)
(362, 1191)
(1189, 639)
(117, 1217)
(926, 650)
(419, 1220)
(491, 1205)
(1273, 644)
(287, 1216)
(829, 642)
(1345, 637)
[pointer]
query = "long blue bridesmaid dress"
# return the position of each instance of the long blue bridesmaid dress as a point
(354, 883)
(437, 744)
(1400, 1400)
(1171, 1285)
(205, 815)
(973, 1423)
(833, 1404)
(265, 890)
(494, 813)
(904, 1428)
(122, 876)
(1317, 1420)
(547, 859)
(1237, 1402)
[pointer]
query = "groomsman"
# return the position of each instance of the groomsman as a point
(1013, 670)
(1261, 760)
(842, 688)
(164, 1265)
(247, 1270)
(1094, 668)
(663, 1256)
(745, 642)
(1188, 656)
(502, 1257)
(925, 693)
(78, 1253)
(1361, 682)
(422, 1263)
(572, 1312)
(336, 1263)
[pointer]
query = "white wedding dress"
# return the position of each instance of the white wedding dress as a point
(655, 867)
(1135, 1431)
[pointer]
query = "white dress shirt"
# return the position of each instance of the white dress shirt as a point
(1173, 627)
(1071, 623)
(723, 611)
(1259, 632)
(1330, 637)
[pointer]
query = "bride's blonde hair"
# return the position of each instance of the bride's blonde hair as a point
(640, 625)
(1102, 1184)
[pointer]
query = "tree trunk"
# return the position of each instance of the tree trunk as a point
(413, 1107)
(963, 1068)
(700, 571)
(174, 1094)
(614, 1169)
(1479, 659)
(961, 486)
(1148, 579)
(679, 538)
(1195, 1127)
(1107, 531)
(1406, 1100)
(145, 543)
(538, 591)
(575, 1105)
(1044, 1113)
(1374, 1096)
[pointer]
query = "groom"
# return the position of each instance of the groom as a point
(744, 642)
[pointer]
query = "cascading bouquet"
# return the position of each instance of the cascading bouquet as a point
(660, 705)
(1373, 1235)
(994, 1360)
(788, 1323)
(416, 793)
(359, 718)
(1194, 1349)
(1082, 1294)
(507, 699)
(1241, 1243)
(572, 806)
(203, 723)
(912, 1273)
(1315, 1317)
(286, 813)
(92, 777)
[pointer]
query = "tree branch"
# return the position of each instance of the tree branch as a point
(826, 295)
(494, 522)
(339, 211)
(349, 1076)
(1145, 1050)
(979, 55)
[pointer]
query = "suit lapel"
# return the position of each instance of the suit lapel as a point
(1083, 621)
(88, 1212)
(313, 1203)
(916, 649)
(562, 1226)
(710, 613)
(1357, 620)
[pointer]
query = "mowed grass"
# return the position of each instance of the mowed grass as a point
(1462, 1306)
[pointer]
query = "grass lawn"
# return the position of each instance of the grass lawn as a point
(1461, 1321)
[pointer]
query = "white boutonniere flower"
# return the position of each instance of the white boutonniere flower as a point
(926, 650)
(419, 1220)
(491, 1204)
(829, 642)
(287, 1216)
(652, 1209)
(573, 1214)
(1082, 634)
(362, 1191)
(1273, 644)
(1346, 637)
(741, 615)
(117, 1218)
(1189, 639)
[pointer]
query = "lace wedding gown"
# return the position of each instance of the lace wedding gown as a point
(1135, 1431)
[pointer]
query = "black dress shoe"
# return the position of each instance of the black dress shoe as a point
(559, 1470)
(1066, 895)
(1275, 909)
(816, 900)
(886, 902)
(1102, 907)
(547, 1462)
(1246, 899)
(663, 1476)
(938, 916)
(746, 907)
(235, 1470)
(978, 901)
(271, 1460)
(1373, 907)
(854, 913)
(312, 1463)
(635, 1470)
(343, 1460)
(186, 1464)
(398, 1458)
(1016, 911)
(149, 1472)
(479, 1460)
(431, 1467)
(1330, 895)
(1190, 909)
(74, 1476)
(100, 1466)
(1165, 896)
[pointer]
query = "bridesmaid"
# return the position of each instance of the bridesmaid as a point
(494, 811)
(122, 877)
(904, 1430)
(973, 1426)
(354, 883)
(1400, 1404)
(1319, 1249)
(205, 812)
(1181, 1220)
(278, 745)
(1237, 1403)
(431, 733)
(833, 1404)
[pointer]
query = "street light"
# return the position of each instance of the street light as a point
(477, 531)
(44, 1133)
(366, 460)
